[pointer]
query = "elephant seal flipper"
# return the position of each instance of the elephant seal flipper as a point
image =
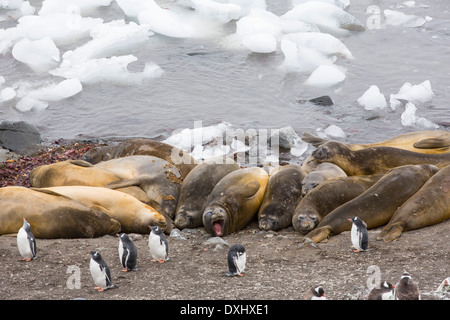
(315, 141)
(432, 143)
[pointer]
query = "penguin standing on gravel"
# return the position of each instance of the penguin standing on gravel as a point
(359, 235)
(158, 245)
(384, 292)
(127, 253)
(315, 293)
(406, 289)
(100, 272)
(237, 258)
(26, 242)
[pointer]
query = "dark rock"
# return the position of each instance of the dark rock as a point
(17, 136)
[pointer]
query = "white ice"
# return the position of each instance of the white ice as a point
(343, 4)
(82, 7)
(409, 118)
(326, 76)
(7, 94)
(400, 19)
(223, 12)
(109, 70)
(40, 55)
(14, 9)
(323, 42)
(417, 94)
(334, 131)
(372, 99)
(329, 18)
(302, 59)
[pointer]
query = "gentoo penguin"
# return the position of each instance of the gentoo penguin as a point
(26, 242)
(444, 286)
(158, 245)
(406, 289)
(237, 258)
(359, 235)
(127, 253)
(384, 292)
(315, 293)
(100, 272)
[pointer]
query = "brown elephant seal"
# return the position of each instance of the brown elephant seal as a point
(159, 179)
(182, 160)
(133, 215)
(323, 172)
(374, 159)
(378, 203)
(195, 190)
(283, 192)
(52, 215)
(78, 173)
(428, 206)
(234, 201)
(429, 141)
(329, 195)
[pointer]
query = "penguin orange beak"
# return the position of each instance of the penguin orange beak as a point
(349, 220)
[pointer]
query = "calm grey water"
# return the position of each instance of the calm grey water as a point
(203, 81)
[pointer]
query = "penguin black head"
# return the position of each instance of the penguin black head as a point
(156, 229)
(96, 255)
(387, 285)
(26, 225)
(124, 237)
(357, 221)
(319, 291)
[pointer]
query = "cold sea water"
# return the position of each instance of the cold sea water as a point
(204, 80)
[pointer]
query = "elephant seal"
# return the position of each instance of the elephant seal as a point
(283, 192)
(378, 203)
(328, 196)
(429, 141)
(177, 157)
(159, 179)
(51, 215)
(79, 173)
(234, 201)
(374, 159)
(133, 215)
(323, 172)
(195, 190)
(430, 205)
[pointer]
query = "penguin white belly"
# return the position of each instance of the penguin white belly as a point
(98, 274)
(356, 237)
(157, 248)
(388, 296)
(24, 245)
(240, 261)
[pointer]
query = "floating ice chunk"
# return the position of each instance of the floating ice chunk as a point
(113, 70)
(329, 18)
(7, 94)
(400, 19)
(417, 94)
(40, 55)
(259, 21)
(27, 104)
(323, 42)
(110, 39)
(372, 99)
(223, 12)
(334, 131)
(83, 6)
(409, 4)
(55, 92)
(62, 28)
(260, 42)
(14, 9)
(177, 23)
(301, 59)
(134, 8)
(326, 76)
(343, 4)
(409, 118)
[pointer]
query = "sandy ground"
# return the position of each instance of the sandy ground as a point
(277, 268)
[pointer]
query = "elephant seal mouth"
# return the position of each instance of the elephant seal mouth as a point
(218, 227)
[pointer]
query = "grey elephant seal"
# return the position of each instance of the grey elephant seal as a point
(374, 159)
(378, 203)
(329, 195)
(234, 201)
(283, 193)
(177, 157)
(323, 172)
(195, 190)
(52, 215)
(428, 206)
